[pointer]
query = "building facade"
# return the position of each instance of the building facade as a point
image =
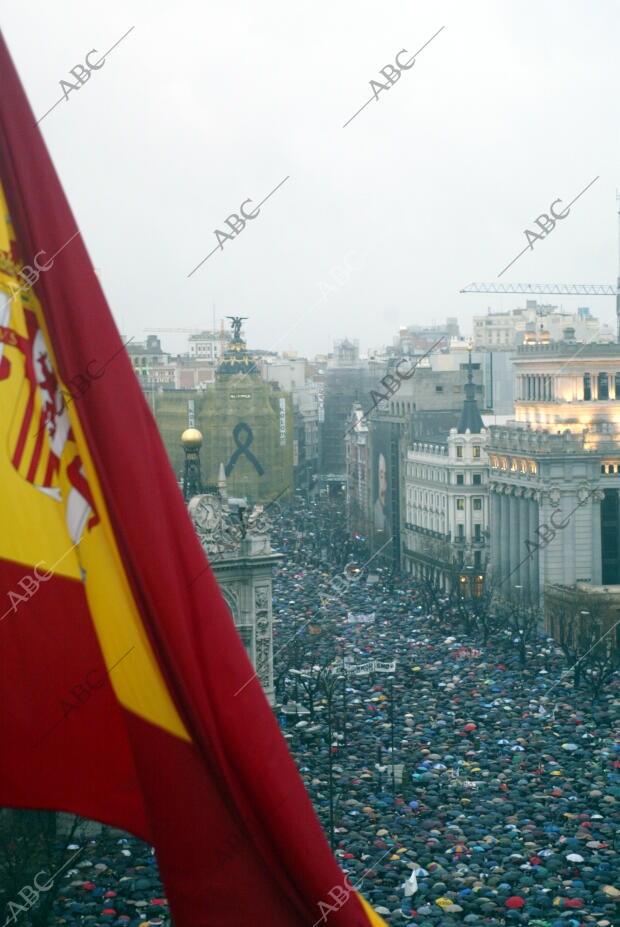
(445, 535)
(151, 364)
(555, 472)
(536, 323)
(240, 554)
(291, 375)
(208, 345)
(358, 473)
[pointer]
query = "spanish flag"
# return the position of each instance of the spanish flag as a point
(125, 692)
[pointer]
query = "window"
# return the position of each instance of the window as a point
(476, 450)
(476, 532)
(477, 559)
(477, 479)
(460, 504)
(603, 386)
(460, 531)
(439, 389)
(459, 450)
(587, 386)
(459, 479)
(477, 505)
(617, 384)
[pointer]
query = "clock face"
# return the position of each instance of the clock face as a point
(206, 514)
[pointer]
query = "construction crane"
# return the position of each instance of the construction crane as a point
(559, 289)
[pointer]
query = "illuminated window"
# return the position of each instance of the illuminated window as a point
(503, 463)
(459, 450)
(533, 466)
(523, 466)
(460, 504)
(476, 450)
(513, 465)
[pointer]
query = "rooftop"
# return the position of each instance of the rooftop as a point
(570, 349)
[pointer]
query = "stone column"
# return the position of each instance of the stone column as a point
(515, 533)
(524, 534)
(494, 525)
(505, 536)
(535, 561)
(597, 555)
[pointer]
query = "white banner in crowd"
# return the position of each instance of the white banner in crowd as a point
(362, 669)
(361, 618)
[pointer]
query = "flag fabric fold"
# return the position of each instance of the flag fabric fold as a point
(125, 691)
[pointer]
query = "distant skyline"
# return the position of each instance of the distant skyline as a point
(431, 187)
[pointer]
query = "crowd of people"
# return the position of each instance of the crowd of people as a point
(455, 784)
(460, 786)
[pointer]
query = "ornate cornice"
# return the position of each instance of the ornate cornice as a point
(221, 531)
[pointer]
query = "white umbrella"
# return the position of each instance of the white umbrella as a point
(410, 886)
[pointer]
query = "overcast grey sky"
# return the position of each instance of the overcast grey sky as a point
(202, 106)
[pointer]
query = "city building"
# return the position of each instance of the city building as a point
(496, 369)
(357, 473)
(236, 540)
(417, 339)
(584, 616)
(151, 364)
(191, 373)
(424, 407)
(537, 323)
(209, 345)
(297, 377)
(247, 426)
(555, 472)
(347, 379)
(445, 532)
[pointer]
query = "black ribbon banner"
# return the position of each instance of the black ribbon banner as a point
(243, 448)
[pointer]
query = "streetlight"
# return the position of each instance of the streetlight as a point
(328, 682)
(391, 682)
(344, 709)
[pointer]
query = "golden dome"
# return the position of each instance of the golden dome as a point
(191, 437)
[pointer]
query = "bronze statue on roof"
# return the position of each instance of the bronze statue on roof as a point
(235, 324)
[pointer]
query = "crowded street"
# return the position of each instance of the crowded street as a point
(455, 786)
(503, 806)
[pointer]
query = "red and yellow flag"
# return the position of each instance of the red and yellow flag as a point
(124, 687)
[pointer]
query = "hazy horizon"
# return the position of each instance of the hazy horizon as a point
(428, 189)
